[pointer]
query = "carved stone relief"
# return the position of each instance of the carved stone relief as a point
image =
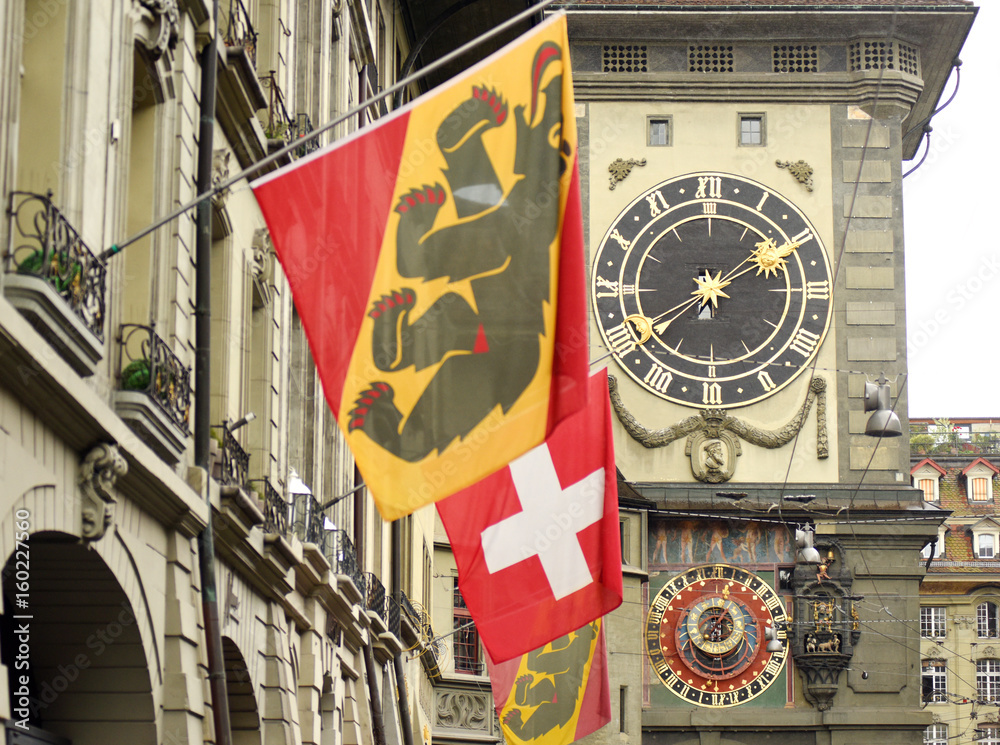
(157, 25)
(712, 434)
(97, 475)
(262, 249)
(220, 172)
(464, 710)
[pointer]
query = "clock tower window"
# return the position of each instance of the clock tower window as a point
(752, 130)
(659, 132)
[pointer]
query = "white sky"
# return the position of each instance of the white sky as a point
(952, 220)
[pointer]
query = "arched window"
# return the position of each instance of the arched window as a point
(986, 620)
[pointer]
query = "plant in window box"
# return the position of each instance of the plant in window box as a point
(65, 276)
(276, 131)
(136, 375)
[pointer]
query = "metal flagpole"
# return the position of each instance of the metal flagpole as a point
(468, 46)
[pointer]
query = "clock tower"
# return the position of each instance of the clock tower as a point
(741, 167)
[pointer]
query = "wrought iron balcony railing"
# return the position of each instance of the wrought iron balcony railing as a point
(375, 596)
(279, 125)
(147, 365)
(239, 31)
(392, 611)
(303, 126)
(344, 558)
(235, 460)
(923, 442)
(43, 244)
(307, 520)
(276, 510)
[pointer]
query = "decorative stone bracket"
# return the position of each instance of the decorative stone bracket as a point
(712, 434)
(97, 475)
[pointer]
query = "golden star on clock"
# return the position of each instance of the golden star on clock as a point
(710, 290)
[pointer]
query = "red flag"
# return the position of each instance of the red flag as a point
(436, 262)
(537, 543)
(556, 694)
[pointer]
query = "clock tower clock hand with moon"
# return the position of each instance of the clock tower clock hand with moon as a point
(712, 290)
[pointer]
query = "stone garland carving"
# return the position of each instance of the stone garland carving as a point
(620, 169)
(160, 22)
(97, 475)
(801, 170)
(464, 710)
(712, 443)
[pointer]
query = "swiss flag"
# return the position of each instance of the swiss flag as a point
(537, 543)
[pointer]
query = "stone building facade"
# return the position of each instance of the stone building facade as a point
(954, 463)
(335, 626)
(719, 139)
(321, 604)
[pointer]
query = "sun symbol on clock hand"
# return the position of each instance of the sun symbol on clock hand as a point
(710, 289)
(770, 257)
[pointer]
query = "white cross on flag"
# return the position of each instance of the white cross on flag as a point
(537, 542)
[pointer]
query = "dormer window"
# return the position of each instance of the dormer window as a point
(979, 489)
(927, 477)
(985, 537)
(979, 480)
(985, 546)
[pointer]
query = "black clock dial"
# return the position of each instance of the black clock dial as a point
(712, 290)
(706, 635)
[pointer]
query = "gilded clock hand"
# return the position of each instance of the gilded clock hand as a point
(770, 257)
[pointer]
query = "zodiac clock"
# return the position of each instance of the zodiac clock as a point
(708, 633)
(712, 290)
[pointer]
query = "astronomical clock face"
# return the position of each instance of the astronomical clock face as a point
(706, 635)
(712, 290)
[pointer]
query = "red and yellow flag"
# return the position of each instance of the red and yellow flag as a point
(436, 262)
(556, 694)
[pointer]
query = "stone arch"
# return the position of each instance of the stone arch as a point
(87, 674)
(244, 715)
(52, 512)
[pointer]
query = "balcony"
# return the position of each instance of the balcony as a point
(239, 32)
(278, 126)
(303, 126)
(312, 526)
(239, 94)
(55, 281)
(232, 468)
(276, 510)
(418, 628)
(954, 443)
(154, 396)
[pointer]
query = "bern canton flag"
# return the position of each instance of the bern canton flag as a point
(537, 543)
(556, 694)
(436, 263)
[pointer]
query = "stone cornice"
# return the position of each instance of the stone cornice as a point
(897, 89)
